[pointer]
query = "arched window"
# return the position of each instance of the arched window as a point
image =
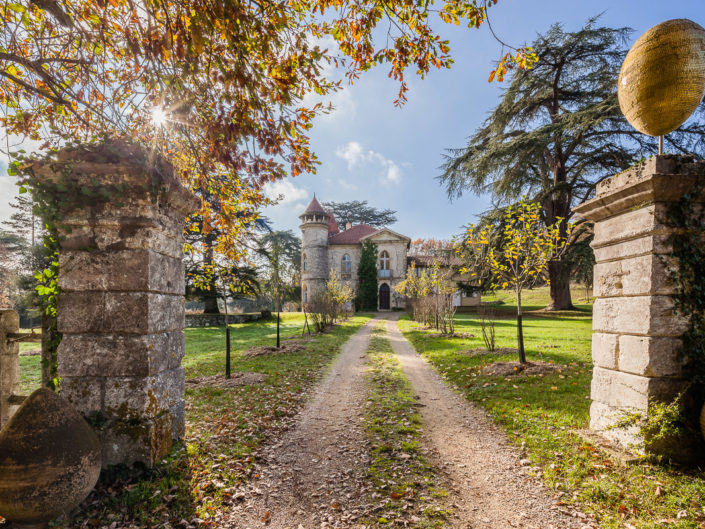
(384, 260)
(304, 263)
(346, 264)
(305, 293)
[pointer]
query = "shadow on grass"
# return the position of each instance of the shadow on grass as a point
(225, 426)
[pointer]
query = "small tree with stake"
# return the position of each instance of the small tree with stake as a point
(236, 282)
(527, 246)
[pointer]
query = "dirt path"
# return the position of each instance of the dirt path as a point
(489, 486)
(314, 475)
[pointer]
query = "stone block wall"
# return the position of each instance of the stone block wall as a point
(121, 307)
(9, 364)
(636, 341)
(314, 245)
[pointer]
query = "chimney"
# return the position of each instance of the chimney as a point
(348, 225)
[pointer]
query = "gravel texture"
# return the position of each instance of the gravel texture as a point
(314, 476)
(487, 478)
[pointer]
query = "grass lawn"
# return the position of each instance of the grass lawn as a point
(546, 411)
(225, 427)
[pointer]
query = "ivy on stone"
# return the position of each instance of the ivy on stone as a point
(367, 277)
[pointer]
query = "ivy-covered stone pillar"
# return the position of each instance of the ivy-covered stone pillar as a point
(121, 304)
(636, 341)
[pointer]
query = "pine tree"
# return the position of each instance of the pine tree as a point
(357, 211)
(367, 276)
(557, 131)
(23, 222)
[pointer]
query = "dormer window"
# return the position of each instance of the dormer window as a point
(346, 264)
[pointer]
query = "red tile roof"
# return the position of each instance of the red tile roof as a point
(315, 207)
(352, 235)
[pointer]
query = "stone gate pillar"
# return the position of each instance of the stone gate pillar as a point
(121, 306)
(9, 364)
(636, 334)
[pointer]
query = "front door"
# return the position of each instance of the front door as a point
(384, 296)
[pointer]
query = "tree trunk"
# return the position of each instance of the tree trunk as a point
(520, 330)
(211, 301)
(556, 208)
(560, 286)
(211, 293)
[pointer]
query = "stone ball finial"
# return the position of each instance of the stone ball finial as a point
(50, 460)
(662, 80)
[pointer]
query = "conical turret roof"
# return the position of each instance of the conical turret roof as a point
(315, 207)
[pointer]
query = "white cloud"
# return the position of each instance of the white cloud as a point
(394, 173)
(351, 153)
(284, 192)
(355, 156)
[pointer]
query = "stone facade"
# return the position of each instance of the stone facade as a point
(121, 308)
(325, 248)
(636, 335)
(314, 248)
(396, 247)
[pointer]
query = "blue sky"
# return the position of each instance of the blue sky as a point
(370, 150)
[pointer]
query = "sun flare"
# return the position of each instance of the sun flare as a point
(159, 117)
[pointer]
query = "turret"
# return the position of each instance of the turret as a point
(314, 250)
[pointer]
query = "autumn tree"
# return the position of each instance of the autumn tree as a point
(429, 292)
(415, 287)
(358, 211)
(340, 293)
(557, 131)
(281, 259)
(215, 87)
(529, 245)
(367, 276)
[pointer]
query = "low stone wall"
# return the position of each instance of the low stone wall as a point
(218, 320)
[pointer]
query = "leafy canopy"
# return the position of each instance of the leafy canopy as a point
(557, 131)
(527, 246)
(216, 87)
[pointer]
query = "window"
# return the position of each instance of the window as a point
(384, 260)
(305, 293)
(346, 264)
(304, 264)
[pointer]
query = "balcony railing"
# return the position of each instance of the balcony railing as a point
(384, 274)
